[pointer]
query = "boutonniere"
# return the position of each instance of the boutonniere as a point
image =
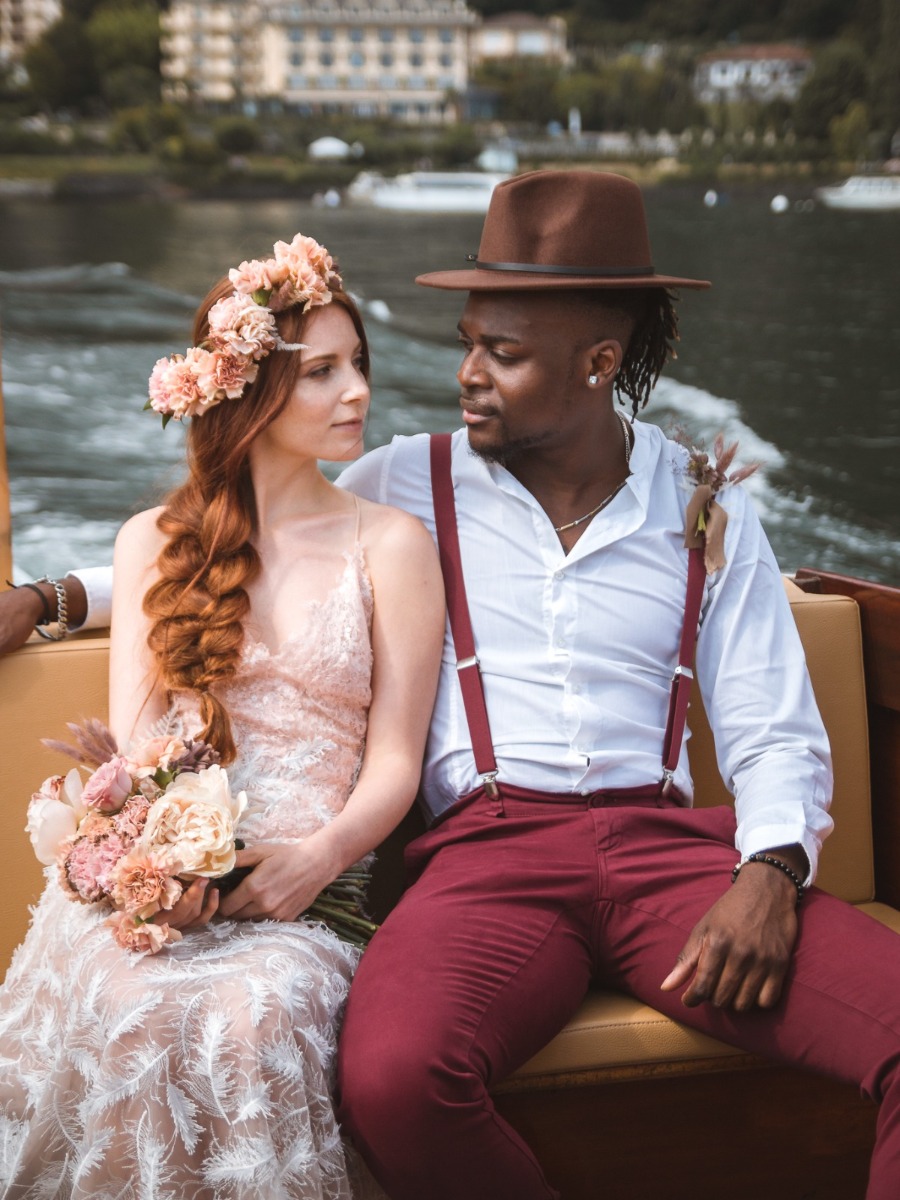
(705, 520)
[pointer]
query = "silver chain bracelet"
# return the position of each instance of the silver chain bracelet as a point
(62, 614)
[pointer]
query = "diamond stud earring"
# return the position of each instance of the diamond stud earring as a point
(592, 380)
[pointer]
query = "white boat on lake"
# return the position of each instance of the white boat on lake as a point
(863, 193)
(427, 191)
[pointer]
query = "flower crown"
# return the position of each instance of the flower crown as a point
(242, 329)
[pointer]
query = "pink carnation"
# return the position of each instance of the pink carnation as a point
(132, 933)
(142, 883)
(173, 387)
(239, 326)
(250, 277)
(85, 868)
(129, 822)
(109, 786)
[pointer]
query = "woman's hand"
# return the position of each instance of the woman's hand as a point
(283, 883)
(196, 906)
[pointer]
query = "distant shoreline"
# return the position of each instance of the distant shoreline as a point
(136, 178)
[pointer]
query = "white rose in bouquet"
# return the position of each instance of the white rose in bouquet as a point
(54, 812)
(193, 823)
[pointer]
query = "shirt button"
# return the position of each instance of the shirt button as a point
(559, 574)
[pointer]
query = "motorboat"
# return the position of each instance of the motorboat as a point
(863, 193)
(622, 1095)
(427, 191)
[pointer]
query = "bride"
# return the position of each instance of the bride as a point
(298, 630)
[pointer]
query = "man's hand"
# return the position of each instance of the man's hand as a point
(21, 609)
(738, 954)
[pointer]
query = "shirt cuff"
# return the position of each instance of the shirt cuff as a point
(97, 584)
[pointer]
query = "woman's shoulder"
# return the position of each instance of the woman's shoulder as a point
(140, 537)
(388, 534)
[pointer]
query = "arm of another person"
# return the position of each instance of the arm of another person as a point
(407, 638)
(773, 751)
(88, 595)
(136, 698)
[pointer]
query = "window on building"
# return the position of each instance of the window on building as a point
(357, 83)
(297, 58)
(326, 58)
(532, 42)
(328, 82)
(446, 60)
(446, 36)
(385, 35)
(387, 82)
(357, 35)
(416, 82)
(357, 59)
(386, 59)
(295, 82)
(416, 59)
(446, 82)
(326, 34)
(417, 35)
(295, 35)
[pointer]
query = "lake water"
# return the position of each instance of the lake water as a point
(794, 352)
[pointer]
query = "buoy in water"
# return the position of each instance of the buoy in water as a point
(711, 199)
(779, 204)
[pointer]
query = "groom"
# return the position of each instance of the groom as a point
(562, 847)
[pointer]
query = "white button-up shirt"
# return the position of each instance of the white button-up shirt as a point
(577, 650)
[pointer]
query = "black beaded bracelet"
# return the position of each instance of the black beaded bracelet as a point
(47, 618)
(779, 865)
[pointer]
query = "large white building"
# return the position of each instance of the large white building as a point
(760, 73)
(22, 22)
(397, 58)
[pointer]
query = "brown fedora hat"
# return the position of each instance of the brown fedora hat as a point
(561, 229)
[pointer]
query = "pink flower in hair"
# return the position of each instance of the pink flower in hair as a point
(173, 387)
(147, 937)
(239, 326)
(109, 786)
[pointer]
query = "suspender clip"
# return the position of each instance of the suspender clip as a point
(463, 663)
(489, 783)
(680, 670)
(667, 777)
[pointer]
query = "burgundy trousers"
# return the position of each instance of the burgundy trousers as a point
(512, 911)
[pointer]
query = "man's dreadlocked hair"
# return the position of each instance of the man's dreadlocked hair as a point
(649, 331)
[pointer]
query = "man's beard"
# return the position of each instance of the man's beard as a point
(506, 450)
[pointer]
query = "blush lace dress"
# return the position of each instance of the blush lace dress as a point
(203, 1072)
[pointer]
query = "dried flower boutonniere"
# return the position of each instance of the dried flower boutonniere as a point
(705, 519)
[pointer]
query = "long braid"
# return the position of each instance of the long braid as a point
(200, 601)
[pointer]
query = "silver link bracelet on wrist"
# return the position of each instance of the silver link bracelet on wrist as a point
(62, 614)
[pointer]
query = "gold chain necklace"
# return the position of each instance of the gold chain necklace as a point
(609, 499)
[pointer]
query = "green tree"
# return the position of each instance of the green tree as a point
(839, 77)
(61, 66)
(125, 35)
(849, 132)
(237, 135)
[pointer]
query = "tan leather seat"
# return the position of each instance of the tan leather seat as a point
(43, 685)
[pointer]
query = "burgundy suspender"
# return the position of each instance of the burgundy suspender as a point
(464, 640)
(458, 611)
(680, 690)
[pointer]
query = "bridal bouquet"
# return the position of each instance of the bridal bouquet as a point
(144, 824)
